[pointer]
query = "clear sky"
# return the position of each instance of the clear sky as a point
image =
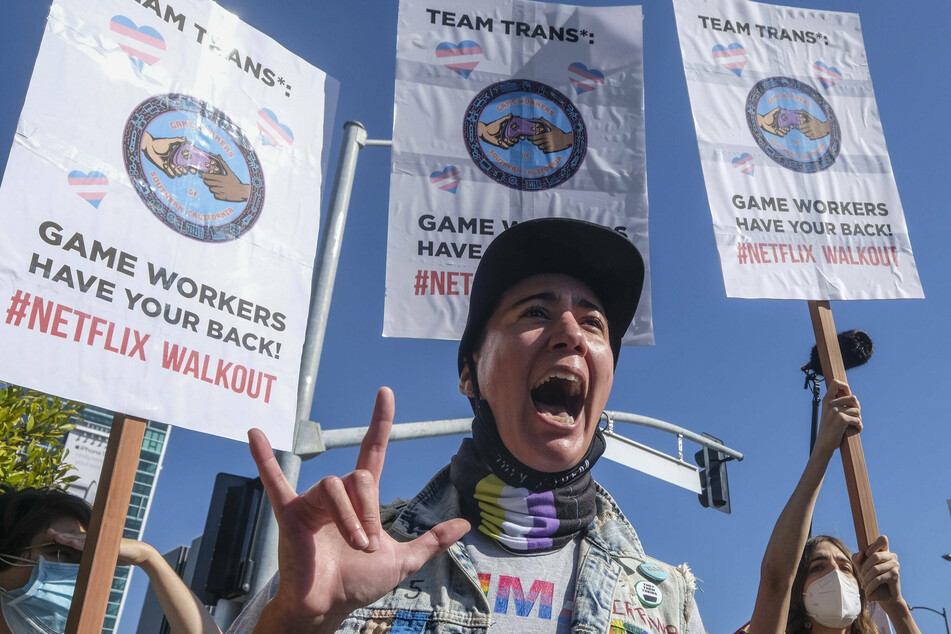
(728, 367)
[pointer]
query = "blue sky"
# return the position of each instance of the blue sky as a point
(729, 367)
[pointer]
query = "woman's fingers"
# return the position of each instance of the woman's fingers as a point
(364, 493)
(279, 491)
(373, 448)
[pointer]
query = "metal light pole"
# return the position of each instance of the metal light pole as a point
(354, 139)
(943, 613)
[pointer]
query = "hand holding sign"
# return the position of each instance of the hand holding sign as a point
(841, 414)
(333, 555)
(878, 574)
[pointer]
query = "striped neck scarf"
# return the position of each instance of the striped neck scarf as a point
(520, 519)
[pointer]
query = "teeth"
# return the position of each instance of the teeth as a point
(566, 419)
(574, 381)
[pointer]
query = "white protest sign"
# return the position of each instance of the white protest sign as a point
(798, 178)
(160, 208)
(508, 110)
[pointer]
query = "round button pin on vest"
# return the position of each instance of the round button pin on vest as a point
(648, 594)
(655, 573)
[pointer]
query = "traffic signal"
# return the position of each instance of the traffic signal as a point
(224, 565)
(714, 485)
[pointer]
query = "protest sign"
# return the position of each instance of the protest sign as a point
(505, 111)
(798, 178)
(161, 209)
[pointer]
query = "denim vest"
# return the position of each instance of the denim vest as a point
(612, 593)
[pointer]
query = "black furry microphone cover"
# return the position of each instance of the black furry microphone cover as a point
(856, 347)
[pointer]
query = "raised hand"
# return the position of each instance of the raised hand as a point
(841, 414)
(182, 609)
(333, 555)
(878, 575)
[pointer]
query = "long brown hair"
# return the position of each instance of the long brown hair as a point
(798, 619)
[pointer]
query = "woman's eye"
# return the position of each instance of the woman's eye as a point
(595, 322)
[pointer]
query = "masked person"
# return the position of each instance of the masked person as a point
(549, 550)
(42, 535)
(817, 585)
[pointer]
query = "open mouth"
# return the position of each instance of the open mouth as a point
(559, 396)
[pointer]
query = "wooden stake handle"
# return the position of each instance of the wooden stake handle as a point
(853, 458)
(98, 564)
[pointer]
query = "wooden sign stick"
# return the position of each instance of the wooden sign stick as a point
(853, 458)
(98, 563)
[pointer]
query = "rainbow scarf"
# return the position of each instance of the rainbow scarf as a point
(519, 519)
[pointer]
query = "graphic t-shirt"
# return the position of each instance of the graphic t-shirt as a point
(528, 594)
(531, 594)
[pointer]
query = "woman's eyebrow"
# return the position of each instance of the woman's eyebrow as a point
(545, 296)
(584, 303)
(550, 296)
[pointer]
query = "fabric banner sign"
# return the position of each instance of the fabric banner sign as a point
(507, 110)
(160, 208)
(798, 178)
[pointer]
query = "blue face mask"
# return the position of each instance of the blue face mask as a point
(42, 605)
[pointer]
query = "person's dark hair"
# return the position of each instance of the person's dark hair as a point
(26, 512)
(796, 624)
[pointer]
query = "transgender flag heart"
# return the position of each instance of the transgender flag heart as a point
(584, 78)
(446, 180)
(143, 44)
(461, 58)
(90, 187)
(827, 75)
(731, 57)
(744, 163)
(273, 131)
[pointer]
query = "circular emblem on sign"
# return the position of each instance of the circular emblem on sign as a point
(648, 594)
(194, 169)
(525, 135)
(793, 124)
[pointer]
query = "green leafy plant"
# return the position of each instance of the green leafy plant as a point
(33, 429)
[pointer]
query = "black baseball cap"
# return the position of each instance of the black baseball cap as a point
(603, 259)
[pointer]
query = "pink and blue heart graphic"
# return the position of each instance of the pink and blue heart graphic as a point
(732, 57)
(461, 58)
(584, 79)
(273, 132)
(90, 186)
(143, 44)
(744, 163)
(447, 179)
(827, 75)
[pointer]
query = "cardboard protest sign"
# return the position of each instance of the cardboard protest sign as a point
(798, 178)
(505, 111)
(160, 208)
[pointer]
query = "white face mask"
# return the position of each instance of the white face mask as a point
(833, 599)
(42, 605)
